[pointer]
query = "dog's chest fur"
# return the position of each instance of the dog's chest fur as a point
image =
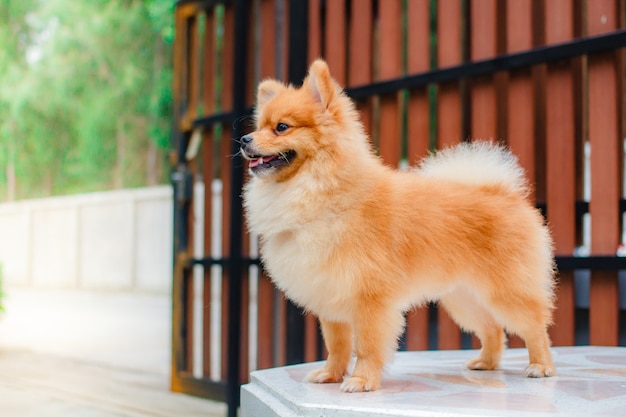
(296, 242)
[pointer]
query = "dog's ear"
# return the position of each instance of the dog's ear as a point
(320, 83)
(267, 90)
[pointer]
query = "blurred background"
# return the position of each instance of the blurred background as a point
(85, 98)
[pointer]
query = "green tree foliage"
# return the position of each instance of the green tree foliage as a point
(85, 95)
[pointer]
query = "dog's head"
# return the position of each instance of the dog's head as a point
(296, 126)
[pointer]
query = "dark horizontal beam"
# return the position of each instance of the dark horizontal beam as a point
(216, 118)
(539, 55)
(209, 261)
(595, 263)
(199, 387)
(564, 263)
(226, 117)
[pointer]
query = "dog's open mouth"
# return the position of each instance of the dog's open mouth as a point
(260, 163)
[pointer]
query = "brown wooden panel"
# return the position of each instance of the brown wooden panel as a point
(178, 66)
(483, 45)
(521, 108)
(280, 330)
(225, 322)
(268, 39)
(265, 343)
(360, 55)
(449, 332)
(206, 323)
(418, 57)
(311, 338)
(390, 67)
(449, 53)
(253, 57)
(539, 76)
(604, 308)
(335, 39)
(189, 316)
(208, 74)
(283, 44)
(417, 329)
(483, 109)
(559, 18)
(315, 36)
(521, 121)
(449, 115)
(244, 341)
(360, 49)
(606, 154)
(191, 77)
(483, 36)
(560, 162)
(194, 64)
(562, 331)
(449, 50)
(228, 48)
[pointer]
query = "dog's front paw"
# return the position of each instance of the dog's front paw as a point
(538, 370)
(358, 384)
(324, 376)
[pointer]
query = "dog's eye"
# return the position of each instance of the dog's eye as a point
(281, 127)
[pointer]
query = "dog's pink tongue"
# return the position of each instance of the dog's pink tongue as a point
(262, 160)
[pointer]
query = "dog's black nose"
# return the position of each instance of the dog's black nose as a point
(246, 139)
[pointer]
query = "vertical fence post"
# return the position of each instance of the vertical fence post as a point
(298, 57)
(235, 261)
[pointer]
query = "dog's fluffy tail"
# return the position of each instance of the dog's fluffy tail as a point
(479, 163)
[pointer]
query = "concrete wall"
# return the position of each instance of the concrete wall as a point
(112, 241)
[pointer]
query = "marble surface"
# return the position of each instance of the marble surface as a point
(591, 381)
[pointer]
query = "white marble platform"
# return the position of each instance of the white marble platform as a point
(591, 381)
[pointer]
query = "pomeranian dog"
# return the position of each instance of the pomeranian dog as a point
(358, 244)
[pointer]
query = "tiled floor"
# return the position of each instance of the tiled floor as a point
(77, 354)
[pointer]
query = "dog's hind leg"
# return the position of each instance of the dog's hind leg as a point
(468, 313)
(531, 325)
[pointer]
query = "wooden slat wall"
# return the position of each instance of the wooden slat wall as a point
(520, 108)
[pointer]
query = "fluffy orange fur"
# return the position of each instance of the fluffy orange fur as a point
(358, 244)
